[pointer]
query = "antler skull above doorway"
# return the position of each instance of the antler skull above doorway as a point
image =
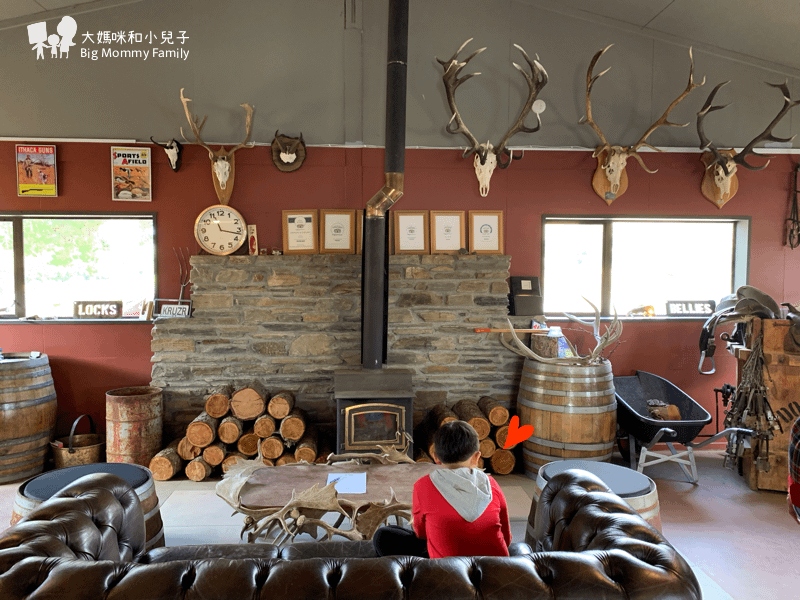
(487, 156)
(610, 179)
(720, 183)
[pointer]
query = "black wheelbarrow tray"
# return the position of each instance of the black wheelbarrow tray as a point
(644, 432)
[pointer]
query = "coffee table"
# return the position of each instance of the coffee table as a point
(293, 498)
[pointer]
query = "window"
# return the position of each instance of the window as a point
(48, 261)
(627, 263)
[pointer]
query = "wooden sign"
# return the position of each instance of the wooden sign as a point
(97, 309)
(691, 308)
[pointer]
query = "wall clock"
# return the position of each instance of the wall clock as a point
(220, 230)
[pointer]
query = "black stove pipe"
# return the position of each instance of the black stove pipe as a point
(375, 259)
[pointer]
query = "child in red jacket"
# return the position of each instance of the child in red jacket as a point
(457, 510)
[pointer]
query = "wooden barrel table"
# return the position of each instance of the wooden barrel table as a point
(573, 411)
(27, 414)
(637, 489)
(37, 489)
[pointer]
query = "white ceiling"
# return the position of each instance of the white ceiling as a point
(765, 33)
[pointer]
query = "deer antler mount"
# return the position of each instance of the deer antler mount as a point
(223, 167)
(487, 156)
(610, 179)
(720, 182)
(288, 153)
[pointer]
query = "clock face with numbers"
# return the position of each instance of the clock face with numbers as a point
(220, 230)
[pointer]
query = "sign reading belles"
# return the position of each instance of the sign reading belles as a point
(89, 309)
(691, 308)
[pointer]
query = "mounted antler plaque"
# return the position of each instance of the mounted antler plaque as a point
(610, 179)
(288, 153)
(223, 167)
(720, 183)
(487, 157)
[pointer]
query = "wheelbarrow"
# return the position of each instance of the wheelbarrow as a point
(643, 432)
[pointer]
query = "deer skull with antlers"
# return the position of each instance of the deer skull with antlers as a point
(223, 167)
(173, 149)
(610, 179)
(487, 156)
(720, 183)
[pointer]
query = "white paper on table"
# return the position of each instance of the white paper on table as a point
(349, 483)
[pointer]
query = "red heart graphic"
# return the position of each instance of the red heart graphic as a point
(517, 434)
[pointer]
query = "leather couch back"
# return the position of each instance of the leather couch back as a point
(600, 549)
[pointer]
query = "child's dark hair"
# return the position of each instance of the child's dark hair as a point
(455, 442)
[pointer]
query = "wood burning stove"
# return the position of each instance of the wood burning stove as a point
(373, 408)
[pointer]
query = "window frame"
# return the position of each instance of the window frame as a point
(742, 227)
(17, 218)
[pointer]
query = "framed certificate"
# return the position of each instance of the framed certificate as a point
(337, 231)
(447, 231)
(486, 231)
(300, 232)
(411, 232)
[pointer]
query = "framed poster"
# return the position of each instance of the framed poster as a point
(337, 231)
(300, 232)
(130, 174)
(486, 231)
(411, 232)
(36, 170)
(447, 231)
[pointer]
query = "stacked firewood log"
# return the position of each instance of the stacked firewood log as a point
(487, 416)
(237, 423)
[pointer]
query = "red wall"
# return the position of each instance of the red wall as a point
(89, 359)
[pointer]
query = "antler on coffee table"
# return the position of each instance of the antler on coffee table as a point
(305, 510)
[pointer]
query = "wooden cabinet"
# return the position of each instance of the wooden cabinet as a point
(782, 379)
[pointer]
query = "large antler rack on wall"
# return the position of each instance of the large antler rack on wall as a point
(610, 179)
(720, 183)
(487, 156)
(223, 166)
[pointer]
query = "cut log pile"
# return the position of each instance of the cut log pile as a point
(237, 423)
(487, 416)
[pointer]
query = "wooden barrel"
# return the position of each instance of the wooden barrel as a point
(134, 420)
(146, 490)
(27, 415)
(636, 489)
(573, 412)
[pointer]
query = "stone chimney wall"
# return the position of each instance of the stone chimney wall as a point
(291, 321)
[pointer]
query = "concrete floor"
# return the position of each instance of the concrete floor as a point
(741, 543)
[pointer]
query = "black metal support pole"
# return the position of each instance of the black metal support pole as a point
(373, 304)
(396, 70)
(375, 261)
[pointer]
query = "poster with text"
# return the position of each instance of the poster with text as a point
(36, 170)
(130, 174)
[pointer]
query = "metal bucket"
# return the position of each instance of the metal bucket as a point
(81, 449)
(134, 422)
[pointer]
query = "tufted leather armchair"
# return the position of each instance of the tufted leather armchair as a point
(87, 543)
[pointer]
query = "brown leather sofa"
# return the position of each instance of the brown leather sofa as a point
(87, 543)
